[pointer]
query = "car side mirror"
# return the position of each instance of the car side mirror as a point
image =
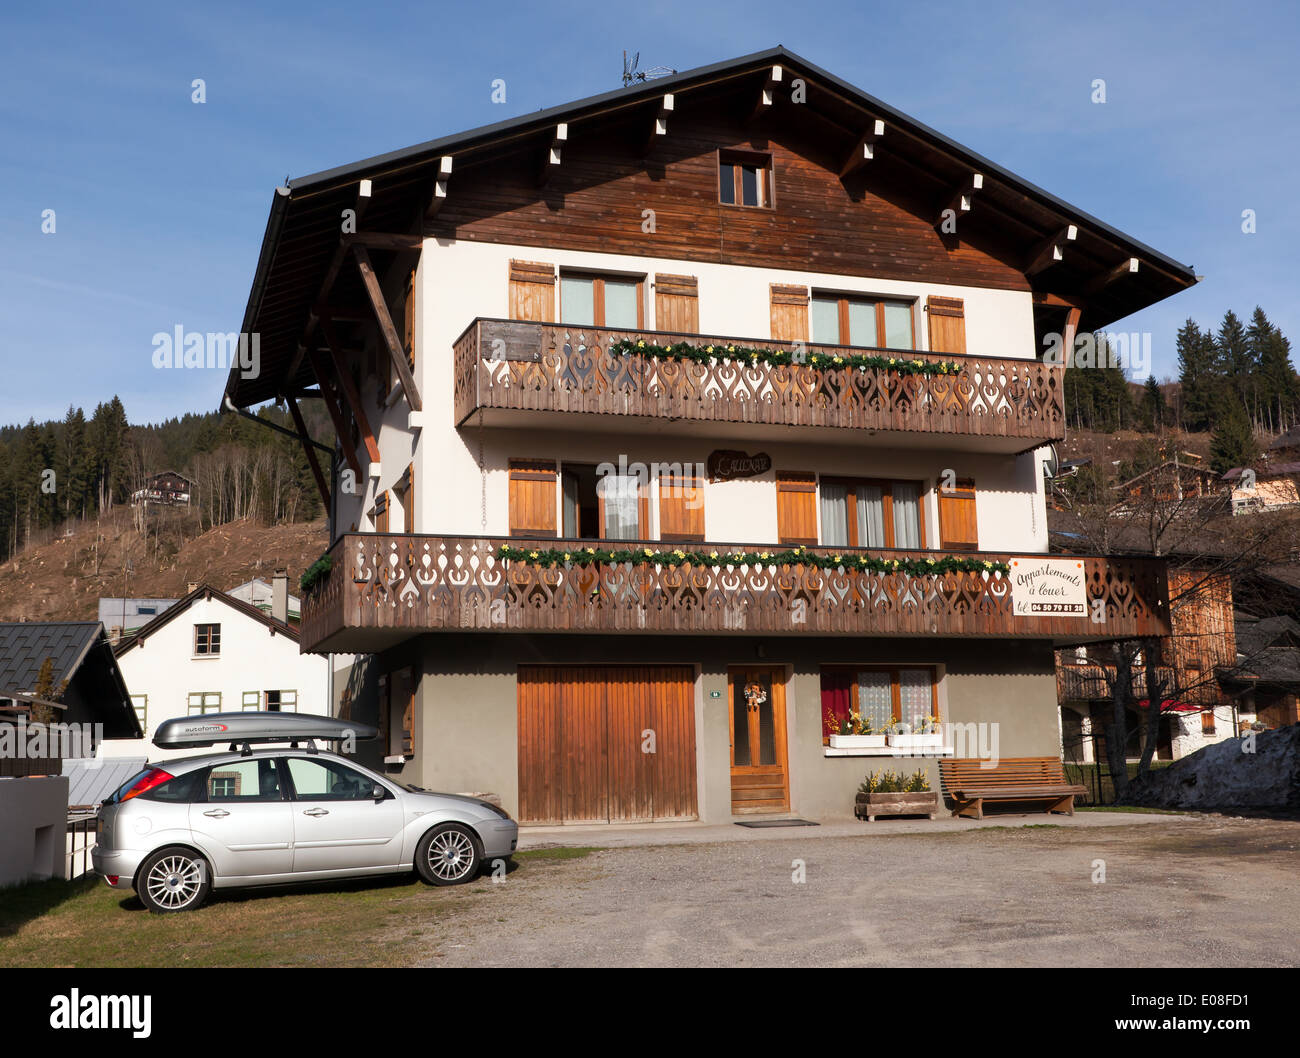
(378, 793)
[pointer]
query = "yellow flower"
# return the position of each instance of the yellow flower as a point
(591, 550)
(648, 552)
(680, 554)
(641, 344)
(835, 558)
(896, 563)
(930, 560)
(713, 554)
(532, 554)
(892, 361)
(708, 349)
(838, 359)
(988, 565)
(567, 556)
(763, 554)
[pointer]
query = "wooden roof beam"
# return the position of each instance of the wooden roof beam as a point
(335, 408)
(659, 125)
(441, 179)
(350, 394)
(864, 150)
(387, 329)
(310, 449)
(767, 94)
(959, 202)
(1050, 250)
(551, 160)
(1128, 266)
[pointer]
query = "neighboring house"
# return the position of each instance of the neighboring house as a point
(86, 689)
(168, 489)
(125, 616)
(1265, 683)
(211, 653)
(1272, 486)
(503, 384)
(260, 593)
(1172, 482)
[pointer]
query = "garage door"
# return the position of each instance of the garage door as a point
(606, 743)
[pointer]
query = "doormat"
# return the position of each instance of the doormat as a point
(760, 823)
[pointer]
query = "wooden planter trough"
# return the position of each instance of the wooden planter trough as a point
(870, 805)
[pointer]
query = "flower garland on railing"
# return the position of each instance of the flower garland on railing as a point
(783, 357)
(315, 573)
(589, 556)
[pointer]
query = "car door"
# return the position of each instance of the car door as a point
(337, 823)
(243, 818)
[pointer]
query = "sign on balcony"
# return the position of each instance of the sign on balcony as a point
(1048, 587)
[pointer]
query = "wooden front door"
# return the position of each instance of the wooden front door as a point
(758, 751)
(606, 743)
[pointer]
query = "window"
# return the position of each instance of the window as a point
(204, 702)
(745, 179)
(140, 703)
(245, 780)
(327, 780)
(252, 700)
(600, 301)
(864, 513)
(281, 701)
(878, 693)
(603, 507)
(1207, 722)
(869, 322)
(207, 640)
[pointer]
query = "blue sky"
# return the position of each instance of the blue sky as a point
(160, 203)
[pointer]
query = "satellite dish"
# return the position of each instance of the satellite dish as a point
(1052, 464)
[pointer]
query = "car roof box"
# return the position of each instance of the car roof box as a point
(248, 728)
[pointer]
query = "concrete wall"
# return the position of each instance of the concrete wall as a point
(33, 824)
(467, 707)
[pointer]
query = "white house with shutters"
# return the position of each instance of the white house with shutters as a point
(213, 653)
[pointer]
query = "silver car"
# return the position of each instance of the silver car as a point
(283, 814)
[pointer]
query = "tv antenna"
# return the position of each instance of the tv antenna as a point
(631, 74)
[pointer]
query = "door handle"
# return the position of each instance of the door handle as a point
(217, 813)
(316, 812)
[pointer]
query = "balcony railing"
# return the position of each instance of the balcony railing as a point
(509, 366)
(384, 588)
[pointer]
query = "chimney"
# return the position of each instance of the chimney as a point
(191, 587)
(280, 596)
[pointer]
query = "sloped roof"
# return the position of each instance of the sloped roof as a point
(24, 646)
(302, 230)
(204, 591)
(91, 779)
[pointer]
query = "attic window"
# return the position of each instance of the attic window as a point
(745, 179)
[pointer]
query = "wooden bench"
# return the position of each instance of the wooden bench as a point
(970, 783)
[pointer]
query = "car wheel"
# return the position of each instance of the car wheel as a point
(448, 855)
(173, 879)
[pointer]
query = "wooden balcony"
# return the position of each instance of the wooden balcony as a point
(522, 373)
(382, 589)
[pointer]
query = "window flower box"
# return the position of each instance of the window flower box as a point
(858, 741)
(870, 805)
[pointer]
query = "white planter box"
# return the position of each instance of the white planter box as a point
(933, 741)
(857, 741)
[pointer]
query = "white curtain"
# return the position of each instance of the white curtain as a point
(915, 702)
(620, 495)
(907, 516)
(875, 698)
(835, 515)
(871, 516)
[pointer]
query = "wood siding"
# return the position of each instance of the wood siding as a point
(594, 201)
(503, 366)
(582, 743)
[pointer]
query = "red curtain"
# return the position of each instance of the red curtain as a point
(837, 695)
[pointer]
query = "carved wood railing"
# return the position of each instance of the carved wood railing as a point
(503, 364)
(413, 584)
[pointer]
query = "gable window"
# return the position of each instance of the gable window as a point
(873, 323)
(745, 179)
(588, 300)
(207, 640)
(204, 702)
(880, 694)
(867, 513)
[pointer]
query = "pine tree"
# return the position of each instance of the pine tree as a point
(1233, 442)
(1275, 379)
(1198, 375)
(1235, 362)
(1152, 412)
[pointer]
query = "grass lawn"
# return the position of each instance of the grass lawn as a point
(371, 922)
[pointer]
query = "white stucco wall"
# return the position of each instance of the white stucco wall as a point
(33, 824)
(253, 658)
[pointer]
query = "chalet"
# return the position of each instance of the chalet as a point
(1173, 482)
(212, 653)
(168, 488)
(752, 268)
(1273, 486)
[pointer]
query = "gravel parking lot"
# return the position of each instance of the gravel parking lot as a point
(1184, 891)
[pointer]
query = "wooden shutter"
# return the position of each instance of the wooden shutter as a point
(381, 512)
(408, 337)
(532, 291)
(796, 507)
(677, 304)
(957, 528)
(681, 506)
(532, 497)
(789, 313)
(405, 489)
(404, 694)
(947, 324)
